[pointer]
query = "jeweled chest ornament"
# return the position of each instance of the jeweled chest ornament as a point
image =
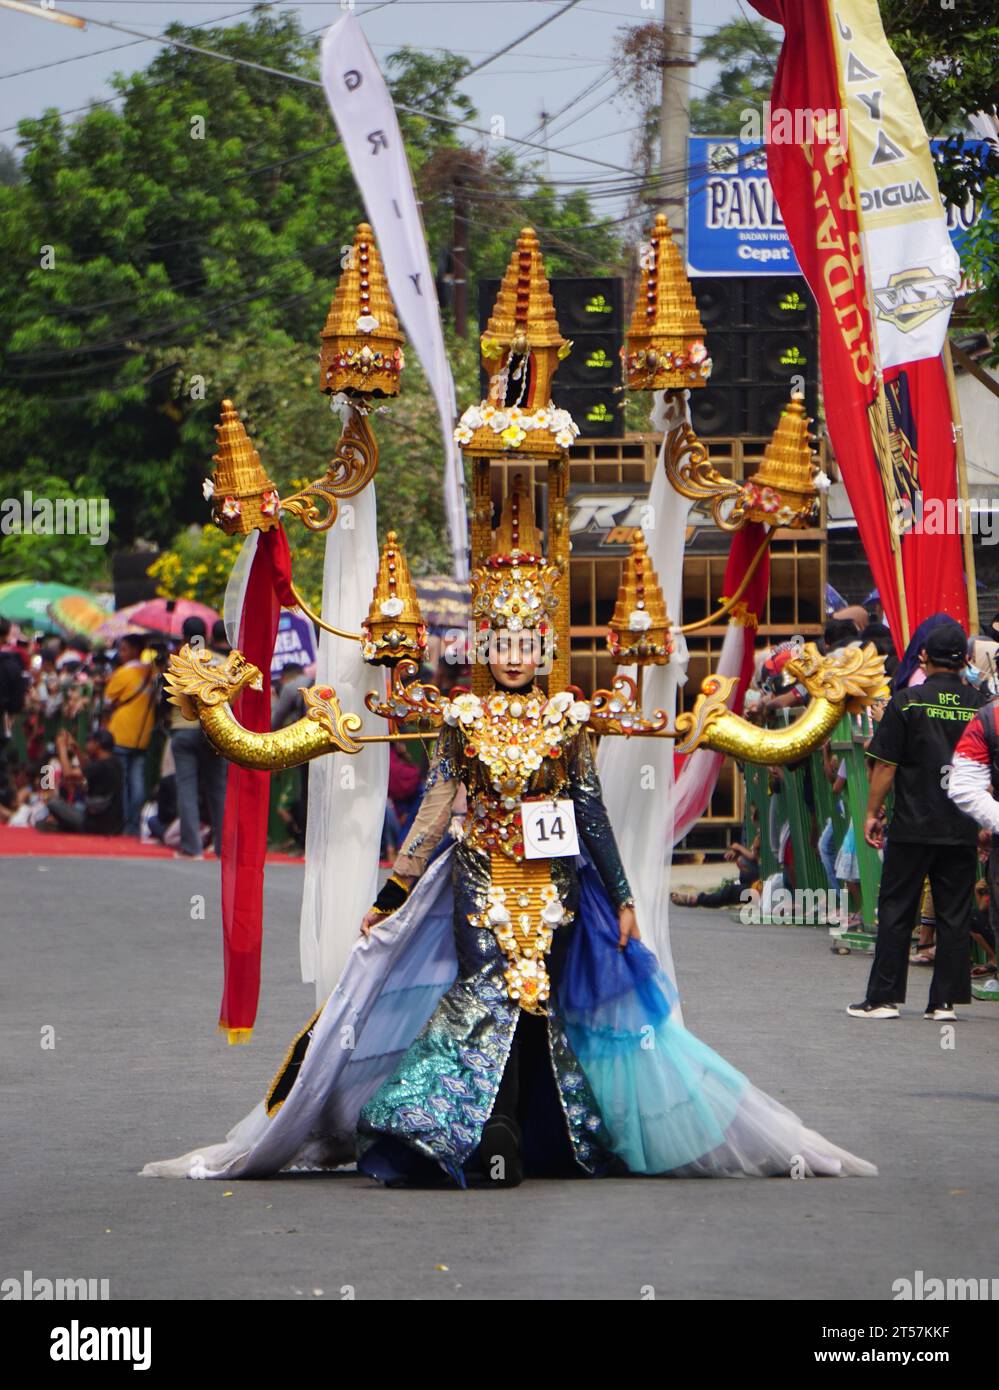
(513, 734)
(510, 735)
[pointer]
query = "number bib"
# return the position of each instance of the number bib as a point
(549, 829)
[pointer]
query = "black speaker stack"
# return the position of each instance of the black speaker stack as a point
(761, 332)
(132, 584)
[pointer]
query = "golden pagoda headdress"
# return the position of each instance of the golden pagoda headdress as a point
(521, 349)
(361, 354)
(516, 590)
(665, 348)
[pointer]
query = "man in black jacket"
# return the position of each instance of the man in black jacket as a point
(99, 778)
(912, 751)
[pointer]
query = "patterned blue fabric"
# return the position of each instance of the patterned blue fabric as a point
(443, 1090)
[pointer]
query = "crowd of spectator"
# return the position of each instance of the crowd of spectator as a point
(89, 744)
(771, 699)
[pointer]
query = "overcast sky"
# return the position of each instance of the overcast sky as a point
(549, 71)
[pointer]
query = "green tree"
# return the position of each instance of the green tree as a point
(185, 247)
(746, 53)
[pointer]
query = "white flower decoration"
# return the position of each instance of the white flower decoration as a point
(465, 709)
(564, 438)
(557, 706)
(208, 489)
(579, 712)
(391, 607)
(367, 323)
(340, 405)
(697, 352)
(639, 620)
(822, 481)
(463, 434)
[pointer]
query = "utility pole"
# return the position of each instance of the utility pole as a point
(674, 116)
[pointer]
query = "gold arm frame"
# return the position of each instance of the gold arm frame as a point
(350, 470)
(692, 474)
(204, 687)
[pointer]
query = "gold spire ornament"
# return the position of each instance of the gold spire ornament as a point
(664, 349)
(361, 358)
(521, 349)
(639, 627)
(516, 589)
(784, 489)
(782, 492)
(394, 629)
(242, 495)
(361, 354)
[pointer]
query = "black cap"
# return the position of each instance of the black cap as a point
(104, 738)
(947, 645)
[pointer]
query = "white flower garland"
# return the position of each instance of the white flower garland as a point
(512, 424)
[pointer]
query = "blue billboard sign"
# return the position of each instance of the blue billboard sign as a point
(734, 226)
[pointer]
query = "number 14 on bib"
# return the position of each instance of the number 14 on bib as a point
(549, 829)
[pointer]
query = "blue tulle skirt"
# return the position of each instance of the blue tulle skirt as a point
(666, 1097)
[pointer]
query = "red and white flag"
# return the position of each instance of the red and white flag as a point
(851, 168)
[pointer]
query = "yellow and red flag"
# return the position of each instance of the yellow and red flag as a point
(851, 168)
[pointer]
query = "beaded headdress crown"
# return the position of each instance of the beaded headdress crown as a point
(516, 589)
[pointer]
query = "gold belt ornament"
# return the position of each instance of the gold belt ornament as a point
(524, 908)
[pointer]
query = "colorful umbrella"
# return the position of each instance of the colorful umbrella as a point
(167, 615)
(27, 603)
(115, 625)
(77, 615)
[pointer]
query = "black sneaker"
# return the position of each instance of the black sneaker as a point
(499, 1153)
(941, 1014)
(866, 1009)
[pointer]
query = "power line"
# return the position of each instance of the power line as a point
(220, 309)
(542, 125)
(134, 43)
(302, 80)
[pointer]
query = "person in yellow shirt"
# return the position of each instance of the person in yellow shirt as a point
(131, 694)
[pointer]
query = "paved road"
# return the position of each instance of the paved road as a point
(107, 956)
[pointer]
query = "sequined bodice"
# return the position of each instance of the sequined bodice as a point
(514, 745)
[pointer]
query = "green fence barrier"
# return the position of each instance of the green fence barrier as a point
(801, 797)
(848, 741)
